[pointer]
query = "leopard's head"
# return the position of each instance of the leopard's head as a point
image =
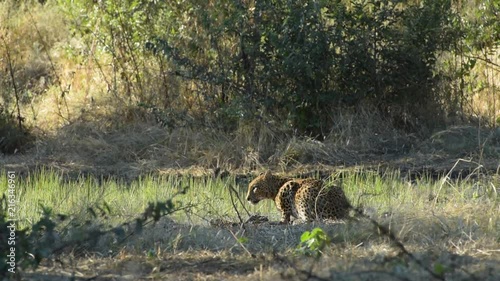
(264, 186)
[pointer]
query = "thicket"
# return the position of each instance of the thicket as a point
(294, 63)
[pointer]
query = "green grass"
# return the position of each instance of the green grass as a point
(439, 221)
(210, 198)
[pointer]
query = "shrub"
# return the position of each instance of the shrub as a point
(13, 135)
(313, 242)
(293, 62)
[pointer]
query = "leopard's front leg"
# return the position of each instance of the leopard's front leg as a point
(285, 201)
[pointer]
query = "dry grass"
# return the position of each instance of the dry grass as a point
(128, 151)
(449, 226)
(486, 82)
(34, 35)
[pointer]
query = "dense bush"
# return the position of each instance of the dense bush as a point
(288, 62)
(314, 56)
(294, 62)
(13, 135)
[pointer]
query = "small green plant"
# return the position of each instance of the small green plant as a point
(440, 269)
(242, 240)
(313, 242)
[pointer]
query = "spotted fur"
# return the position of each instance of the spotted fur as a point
(306, 199)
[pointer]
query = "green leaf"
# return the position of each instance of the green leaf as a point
(440, 269)
(305, 236)
(312, 243)
(242, 240)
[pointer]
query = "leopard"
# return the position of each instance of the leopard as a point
(306, 199)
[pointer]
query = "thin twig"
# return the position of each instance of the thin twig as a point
(392, 237)
(486, 60)
(16, 91)
(308, 274)
(234, 205)
(241, 244)
(239, 199)
(377, 272)
(52, 66)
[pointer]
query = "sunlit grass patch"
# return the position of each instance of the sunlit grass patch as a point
(205, 198)
(437, 220)
(380, 194)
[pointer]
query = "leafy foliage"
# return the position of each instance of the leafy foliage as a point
(289, 61)
(54, 233)
(318, 55)
(223, 63)
(12, 137)
(313, 242)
